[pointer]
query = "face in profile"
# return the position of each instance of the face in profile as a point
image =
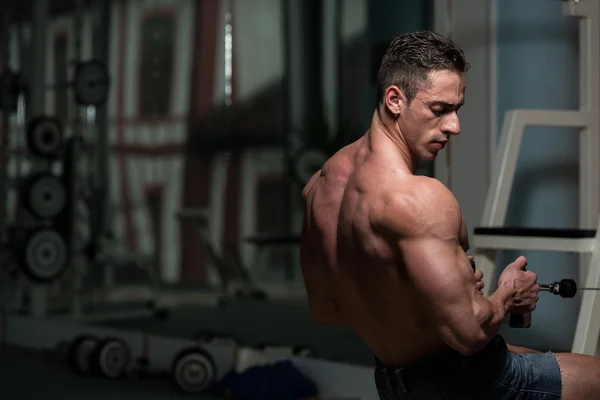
(431, 118)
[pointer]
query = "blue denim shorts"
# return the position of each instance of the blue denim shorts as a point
(492, 373)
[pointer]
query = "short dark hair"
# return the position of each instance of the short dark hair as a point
(411, 56)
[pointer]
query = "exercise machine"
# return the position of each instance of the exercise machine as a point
(236, 281)
(492, 236)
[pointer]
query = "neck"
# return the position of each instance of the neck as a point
(387, 126)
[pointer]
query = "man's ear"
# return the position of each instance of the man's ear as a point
(395, 101)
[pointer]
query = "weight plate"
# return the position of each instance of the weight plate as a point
(567, 288)
(91, 83)
(78, 354)
(46, 196)
(44, 137)
(193, 370)
(45, 255)
(111, 358)
(306, 164)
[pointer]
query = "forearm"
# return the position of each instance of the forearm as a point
(500, 301)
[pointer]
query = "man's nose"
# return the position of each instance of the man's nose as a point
(451, 124)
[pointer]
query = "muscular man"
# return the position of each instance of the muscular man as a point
(383, 252)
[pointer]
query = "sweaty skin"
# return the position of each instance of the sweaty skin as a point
(383, 251)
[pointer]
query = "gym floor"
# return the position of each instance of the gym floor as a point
(32, 375)
(29, 375)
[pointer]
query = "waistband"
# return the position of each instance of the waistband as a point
(401, 377)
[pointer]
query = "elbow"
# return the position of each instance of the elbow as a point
(465, 341)
(474, 344)
(472, 331)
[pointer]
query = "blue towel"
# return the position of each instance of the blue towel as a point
(279, 381)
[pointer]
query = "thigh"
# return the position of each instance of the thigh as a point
(580, 376)
(529, 376)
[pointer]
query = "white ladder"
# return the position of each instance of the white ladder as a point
(493, 236)
(488, 241)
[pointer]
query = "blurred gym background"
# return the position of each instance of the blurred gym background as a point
(184, 130)
(200, 132)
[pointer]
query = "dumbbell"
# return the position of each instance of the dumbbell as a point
(111, 358)
(78, 353)
(88, 355)
(193, 370)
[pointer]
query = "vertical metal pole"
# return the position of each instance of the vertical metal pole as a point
(293, 95)
(5, 140)
(24, 112)
(75, 186)
(101, 187)
(37, 106)
(8, 295)
(228, 54)
(331, 61)
(228, 74)
(38, 57)
(302, 25)
(589, 98)
(77, 35)
(493, 83)
(339, 52)
(589, 145)
(589, 76)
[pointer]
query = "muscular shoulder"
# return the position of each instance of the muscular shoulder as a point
(420, 206)
(333, 175)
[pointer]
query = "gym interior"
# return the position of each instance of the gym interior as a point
(153, 156)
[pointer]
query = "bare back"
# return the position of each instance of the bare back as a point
(353, 271)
